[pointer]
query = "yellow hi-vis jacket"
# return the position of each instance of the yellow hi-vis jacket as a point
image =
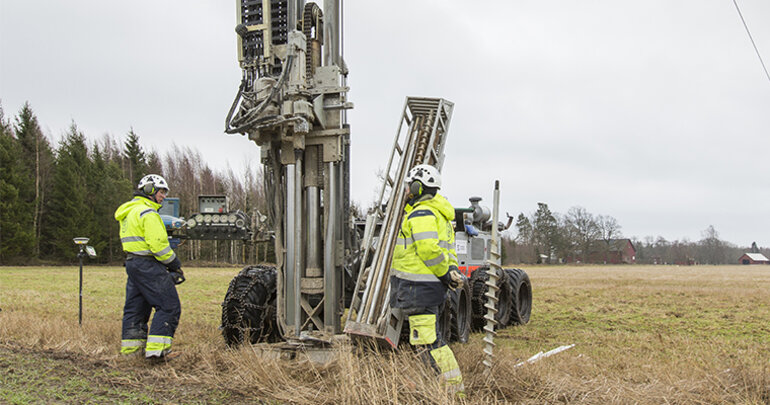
(142, 231)
(423, 254)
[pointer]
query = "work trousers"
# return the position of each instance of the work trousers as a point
(149, 286)
(424, 334)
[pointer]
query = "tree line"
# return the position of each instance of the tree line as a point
(580, 236)
(50, 194)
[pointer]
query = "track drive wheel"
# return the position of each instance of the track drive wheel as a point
(521, 296)
(249, 307)
(444, 320)
(460, 310)
(478, 282)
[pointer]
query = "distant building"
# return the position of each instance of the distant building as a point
(620, 251)
(753, 258)
(614, 251)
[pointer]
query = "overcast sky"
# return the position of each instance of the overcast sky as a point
(654, 112)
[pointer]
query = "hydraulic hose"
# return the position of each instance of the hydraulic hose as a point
(255, 111)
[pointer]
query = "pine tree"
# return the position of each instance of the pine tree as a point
(545, 230)
(37, 156)
(524, 228)
(112, 190)
(96, 184)
(71, 201)
(136, 159)
(17, 234)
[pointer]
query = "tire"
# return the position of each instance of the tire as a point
(521, 296)
(249, 307)
(461, 313)
(478, 282)
(445, 320)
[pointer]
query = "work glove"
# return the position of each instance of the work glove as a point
(177, 275)
(456, 279)
(175, 269)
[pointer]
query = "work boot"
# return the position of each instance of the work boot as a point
(137, 354)
(163, 358)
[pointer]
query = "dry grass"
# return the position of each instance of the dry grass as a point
(643, 334)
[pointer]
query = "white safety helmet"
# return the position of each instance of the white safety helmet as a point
(425, 174)
(151, 183)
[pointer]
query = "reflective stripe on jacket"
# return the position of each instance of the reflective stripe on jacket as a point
(142, 231)
(423, 253)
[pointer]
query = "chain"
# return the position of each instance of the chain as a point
(236, 303)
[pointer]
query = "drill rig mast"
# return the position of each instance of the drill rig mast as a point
(292, 103)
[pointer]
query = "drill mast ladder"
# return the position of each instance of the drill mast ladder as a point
(420, 139)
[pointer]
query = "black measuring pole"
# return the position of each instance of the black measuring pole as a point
(81, 255)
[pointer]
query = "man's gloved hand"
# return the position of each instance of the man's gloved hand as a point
(456, 278)
(175, 269)
(177, 275)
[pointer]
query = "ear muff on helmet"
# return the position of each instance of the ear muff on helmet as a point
(415, 188)
(149, 189)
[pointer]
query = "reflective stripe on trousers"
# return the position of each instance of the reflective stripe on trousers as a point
(158, 346)
(450, 370)
(423, 331)
(129, 346)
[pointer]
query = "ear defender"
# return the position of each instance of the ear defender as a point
(415, 188)
(149, 189)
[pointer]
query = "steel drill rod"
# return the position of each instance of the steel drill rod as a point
(394, 225)
(494, 268)
(297, 243)
(329, 246)
(390, 223)
(286, 279)
(362, 306)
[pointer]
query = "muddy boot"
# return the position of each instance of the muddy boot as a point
(164, 358)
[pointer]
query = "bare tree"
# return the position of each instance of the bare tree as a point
(581, 230)
(609, 229)
(110, 148)
(711, 247)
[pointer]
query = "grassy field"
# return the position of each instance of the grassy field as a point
(643, 334)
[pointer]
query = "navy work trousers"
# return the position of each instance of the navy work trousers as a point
(149, 286)
(436, 311)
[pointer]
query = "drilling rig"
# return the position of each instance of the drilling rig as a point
(292, 102)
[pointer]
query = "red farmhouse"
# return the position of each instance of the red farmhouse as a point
(753, 258)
